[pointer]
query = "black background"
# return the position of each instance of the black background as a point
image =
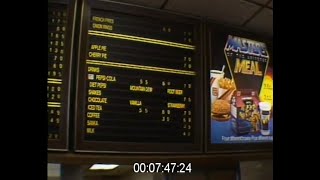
(292, 157)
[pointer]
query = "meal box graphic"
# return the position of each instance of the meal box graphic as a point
(248, 62)
(245, 117)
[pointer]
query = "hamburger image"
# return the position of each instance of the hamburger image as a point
(221, 110)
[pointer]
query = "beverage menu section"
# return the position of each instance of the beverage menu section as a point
(57, 82)
(139, 80)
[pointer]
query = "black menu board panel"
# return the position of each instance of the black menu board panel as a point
(60, 23)
(139, 83)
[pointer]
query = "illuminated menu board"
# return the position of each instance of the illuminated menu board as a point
(239, 89)
(58, 73)
(138, 82)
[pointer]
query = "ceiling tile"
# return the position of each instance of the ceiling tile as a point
(263, 22)
(271, 4)
(260, 1)
(228, 11)
(146, 3)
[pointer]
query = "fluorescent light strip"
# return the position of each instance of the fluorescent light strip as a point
(141, 39)
(140, 67)
(103, 166)
(53, 103)
(52, 79)
(54, 82)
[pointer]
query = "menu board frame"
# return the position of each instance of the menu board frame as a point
(135, 147)
(62, 143)
(211, 28)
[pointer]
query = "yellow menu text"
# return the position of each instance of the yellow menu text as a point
(98, 47)
(175, 91)
(90, 130)
(176, 105)
(98, 85)
(141, 88)
(93, 115)
(102, 26)
(94, 69)
(102, 19)
(98, 55)
(95, 107)
(135, 103)
(92, 123)
(98, 100)
(94, 92)
(105, 78)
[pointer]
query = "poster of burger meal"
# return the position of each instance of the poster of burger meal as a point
(241, 92)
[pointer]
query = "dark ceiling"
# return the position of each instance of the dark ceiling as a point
(253, 15)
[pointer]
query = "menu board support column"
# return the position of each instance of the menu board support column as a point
(72, 172)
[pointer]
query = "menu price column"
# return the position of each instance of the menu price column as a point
(56, 39)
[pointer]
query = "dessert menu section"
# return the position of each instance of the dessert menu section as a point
(57, 81)
(139, 80)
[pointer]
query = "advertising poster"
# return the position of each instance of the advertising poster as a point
(241, 91)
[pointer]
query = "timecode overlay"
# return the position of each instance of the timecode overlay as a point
(162, 167)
